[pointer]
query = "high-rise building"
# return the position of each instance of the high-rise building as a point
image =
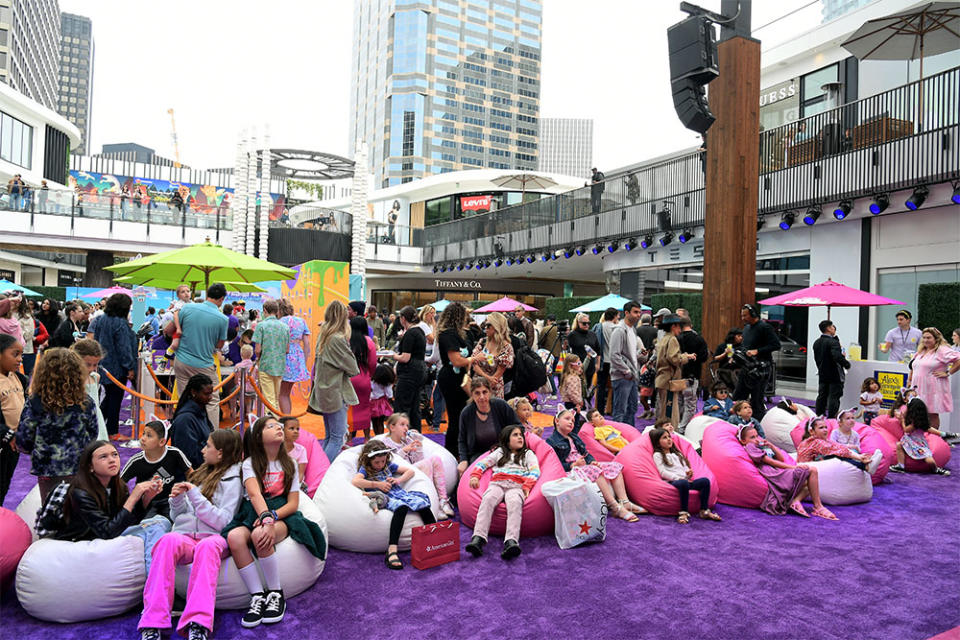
(566, 146)
(442, 85)
(76, 73)
(29, 48)
(836, 8)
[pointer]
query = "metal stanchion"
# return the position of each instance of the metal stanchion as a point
(259, 406)
(242, 383)
(134, 441)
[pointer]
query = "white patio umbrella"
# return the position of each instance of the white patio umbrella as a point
(524, 181)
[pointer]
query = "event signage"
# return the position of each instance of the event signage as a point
(890, 383)
(475, 203)
(458, 284)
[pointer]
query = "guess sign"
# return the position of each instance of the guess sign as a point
(475, 203)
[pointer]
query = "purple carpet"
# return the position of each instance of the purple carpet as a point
(750, 576)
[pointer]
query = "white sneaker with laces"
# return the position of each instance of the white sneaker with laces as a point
(874, 462)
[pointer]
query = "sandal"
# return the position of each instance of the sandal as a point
(625, 514)
(393, 564)
(798, 509)
(633, 508)
(823, 512)
(683, 518)
(706, 514)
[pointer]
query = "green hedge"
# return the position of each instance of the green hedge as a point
(54, 293)
(561, 307)
(692, 302)
(938, 305)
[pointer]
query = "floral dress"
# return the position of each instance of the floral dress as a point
(296, 370)
(590, 472)
(398, 496)
(915, 445)
(493, 361)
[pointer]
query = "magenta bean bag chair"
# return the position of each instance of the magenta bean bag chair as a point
(317, 462)
(649, 490)
(16, 537)
(889, 424)
(891, 431)
(537, 512)
(596, 449)
(870, 440)
(739, 482)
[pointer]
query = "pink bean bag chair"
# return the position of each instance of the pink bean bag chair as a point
(739, 481)
(596, 449)
(317, 462)
(891, 430)
(16, 537)
(537, 512)
(870, 440)
(889, 424)
(649, 490)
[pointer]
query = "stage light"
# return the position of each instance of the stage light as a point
(530, 259)
(813, 214)
(761, 222)
(580, 250)
(915, 201)
(436, 268)
(509, 261)
(843, 209)
(469, 265)
(646, 242)
(880, 202)
(545, 257)
(786, 220)
(486, 263)
(596, 249)
(666, 239)
(568, 252)
(630, 244)
(956, 194)
(459, 266)
(686, 234)
(498, 262)
(613, 246)
(443, 268)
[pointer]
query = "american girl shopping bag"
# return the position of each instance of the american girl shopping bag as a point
(435, 544)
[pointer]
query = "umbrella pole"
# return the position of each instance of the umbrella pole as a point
(920, 118)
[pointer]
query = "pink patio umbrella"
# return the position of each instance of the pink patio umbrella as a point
(829, 294)
(106, 293)
(504, 305)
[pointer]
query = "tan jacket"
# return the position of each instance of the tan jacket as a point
(669, 361)
(333, 369)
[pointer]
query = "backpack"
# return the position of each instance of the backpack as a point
(529, 372)
(50, 515)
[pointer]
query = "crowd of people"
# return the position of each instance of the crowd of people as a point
(202, 493)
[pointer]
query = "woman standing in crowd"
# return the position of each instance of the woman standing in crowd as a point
(930, 372)
(582, 338)
(493, 355)
(71, 328)
(481, 422)
(365, 351)
(28, 328)
(119, 345)
(9, 323)
(452, 345)
(411, 369)
(727, 369)
(333, 367)
(50, 315)
(296, 358)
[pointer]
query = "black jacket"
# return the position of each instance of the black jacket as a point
(761, 337)
(63, 336)
(829, 358)
(189, 431)
(693, 342)
(502, 416)
(88, 521)
(648, 336)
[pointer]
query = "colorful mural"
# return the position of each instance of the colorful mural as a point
(317, 283)
(199, 198)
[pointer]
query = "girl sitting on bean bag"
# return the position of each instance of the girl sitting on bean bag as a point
(916, 422)
(609, 437)
(675, 469)
(844, 433)
(409, 445)
(375, 472)
(580, 465)
(816, 445)
(787, 485)
(200, 508)
(525, 411)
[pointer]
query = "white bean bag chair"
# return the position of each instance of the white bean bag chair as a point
(842, 483)
(778, 423)
(431, 448)
(299, 569)
(352, 524)
(60, 581)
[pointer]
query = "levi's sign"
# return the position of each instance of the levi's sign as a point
(457, 284)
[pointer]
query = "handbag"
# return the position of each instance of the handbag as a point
(465, 383)
(677, 386)
(434, 544)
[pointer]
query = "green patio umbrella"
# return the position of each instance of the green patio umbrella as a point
(233, 287)
(199, 265)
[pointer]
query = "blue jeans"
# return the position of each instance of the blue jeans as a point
(150, 530)
(624, 401)
(335, 430)
(439, 404)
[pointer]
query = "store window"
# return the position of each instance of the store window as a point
(813, 97)
(904, 284)
(16, 141)
(438, 211)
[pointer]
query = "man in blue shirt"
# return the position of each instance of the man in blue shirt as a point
(203, 332)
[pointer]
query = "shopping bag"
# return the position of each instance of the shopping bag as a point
(579, 511)
(435, 544)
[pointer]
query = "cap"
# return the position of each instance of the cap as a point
(663, 312)
(670, 319)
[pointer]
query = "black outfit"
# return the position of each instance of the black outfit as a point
(8, 455)
(51, 321)
(449, 382)
(763, 338)
(87, 521)
(119, 345)
(411, 375)
(648, 336)
(64, 334)
(172, 467)
(501, 416)
(830, 367)
(579, 339)
(727, 370)
(596, 190)
(693, 342)
(189, 431)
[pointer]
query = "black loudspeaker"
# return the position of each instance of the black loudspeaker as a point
(690, 102)
(692, 46)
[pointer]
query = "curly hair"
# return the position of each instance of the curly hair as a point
(59, 380)
(453, 317)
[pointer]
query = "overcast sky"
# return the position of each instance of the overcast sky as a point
(227, 65)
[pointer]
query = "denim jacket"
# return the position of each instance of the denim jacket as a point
(562, 448)
(716, 408)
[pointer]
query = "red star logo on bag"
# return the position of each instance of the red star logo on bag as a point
(585, 528)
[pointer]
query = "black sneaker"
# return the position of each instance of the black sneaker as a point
(254, 615)
(475, 546)
(898, 468)
(940, 471)
(149, 634)
(197, 632)
(275, 608)
(511, 549)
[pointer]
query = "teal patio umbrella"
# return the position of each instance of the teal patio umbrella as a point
(6, 285)
(604, 303)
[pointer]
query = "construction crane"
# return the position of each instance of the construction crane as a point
(173, 134)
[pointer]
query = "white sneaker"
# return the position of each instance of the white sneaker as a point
(446, 508)
(874, 462)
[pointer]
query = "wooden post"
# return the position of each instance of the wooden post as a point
(732, 183)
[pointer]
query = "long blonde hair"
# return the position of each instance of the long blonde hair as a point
(501, 333)
(938, 340)
(335, 323)
(427, 308)
(567, 369)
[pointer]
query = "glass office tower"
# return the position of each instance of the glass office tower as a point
(444, 85)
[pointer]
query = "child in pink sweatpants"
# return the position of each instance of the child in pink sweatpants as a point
(199, 512)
